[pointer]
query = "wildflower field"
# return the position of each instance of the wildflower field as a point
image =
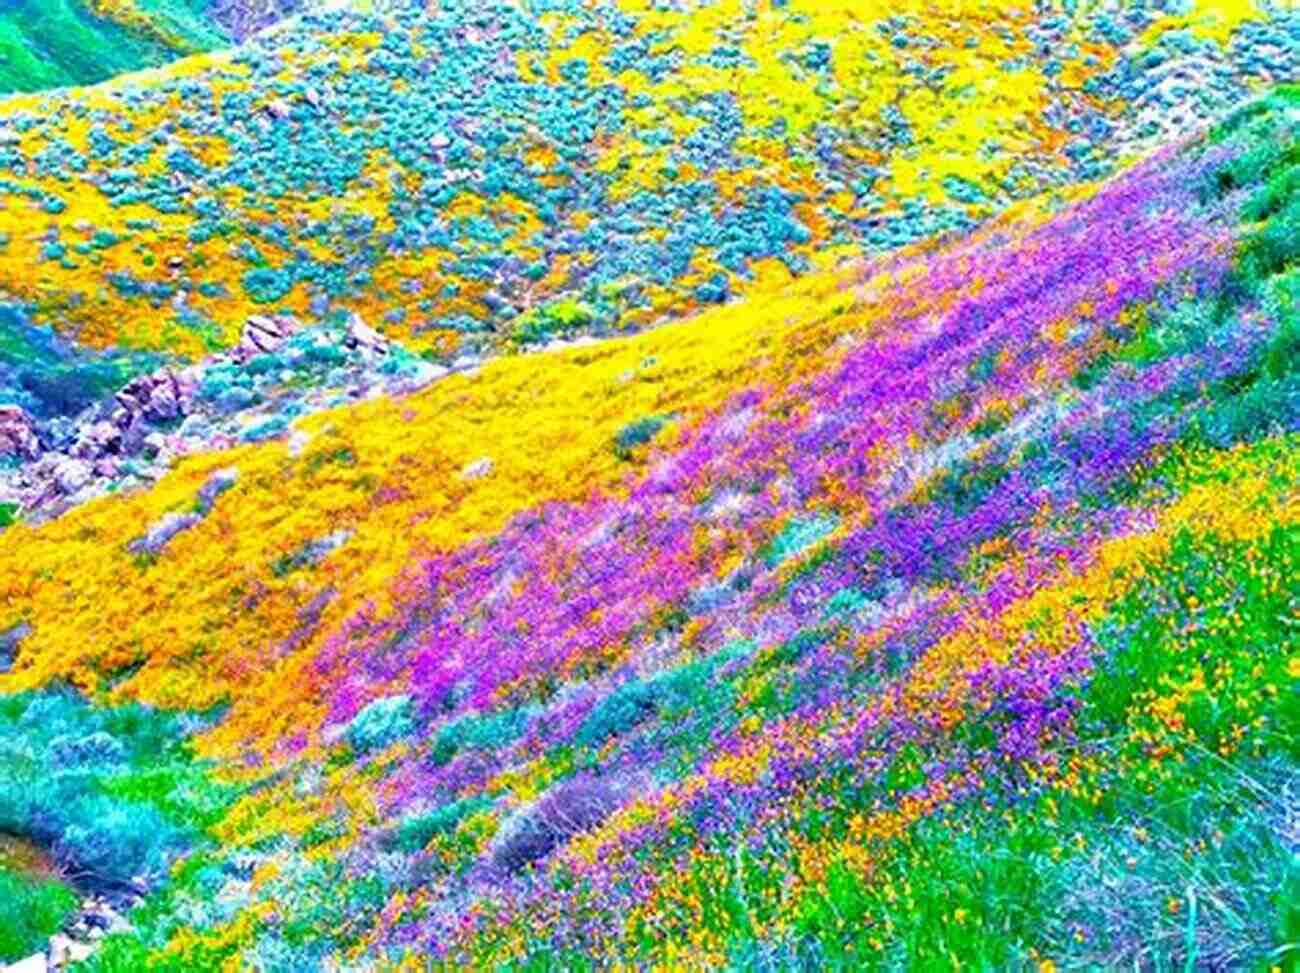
(818, 487)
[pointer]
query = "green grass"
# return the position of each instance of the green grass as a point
(31, 909)
(111, 793)
(51, 43)
(1166, 849)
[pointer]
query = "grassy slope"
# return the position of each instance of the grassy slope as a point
(922, 631)
(923, 610)
(53, 43)
(33, 902)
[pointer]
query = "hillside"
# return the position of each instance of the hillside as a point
(756, 486)
(495, 173)
(54, 43)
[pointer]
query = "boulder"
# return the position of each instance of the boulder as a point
(161, 533)
(70, 474)
(18, 434)
(157, 397)
(215, 485)
(32, 964)
(262, 335)
(9, 640)
(279, 109)
(365, 339)
(477, 470)
(99, 439)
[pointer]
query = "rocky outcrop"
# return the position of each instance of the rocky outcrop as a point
(477, 469)
(32, 964)
(158, 397)
(80, 936)
(279, 369)
(244, 17)
(161, 533)
(9, 640)
(215, 485)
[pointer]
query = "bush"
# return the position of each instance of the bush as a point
(636, 434)
(109, 843)
(111, 793)
(416, 831)
(266, 286)
(1276, 246)
(562, 317)
(635, 702)
(94, 748)
(796, 536)
(566, 810)
(484, 732)
(626, 707)
(381, 723)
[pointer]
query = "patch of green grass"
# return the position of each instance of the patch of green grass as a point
(1165, 845)
(111, 793)
(32, 908)
(560, 318)
(637, 433)
(51, 43)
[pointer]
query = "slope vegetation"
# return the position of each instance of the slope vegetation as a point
(473, 175)
(53, 43)
(931, 608)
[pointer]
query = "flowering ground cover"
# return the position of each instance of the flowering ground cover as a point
(495, 174)
(924, 600)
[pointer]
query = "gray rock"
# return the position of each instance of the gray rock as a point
(215, 485)
(477, 470)
(99, 439)
(278, 109)
(9, 640)
(262, 335)
(18, 434)
(160, 534)
(70, 474)
(365, 339)
(32, 964)
(157, 397)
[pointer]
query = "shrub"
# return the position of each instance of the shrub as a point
(94, 748)
(75, 784)
(567, 809)
(266, 286)
(416, 831)
(108, 843)
(798, 535)
(637, 701)
(381, 723)
(562, 317)
(626, 707)
(485, 732)
(1275, 246)
(636, 434)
